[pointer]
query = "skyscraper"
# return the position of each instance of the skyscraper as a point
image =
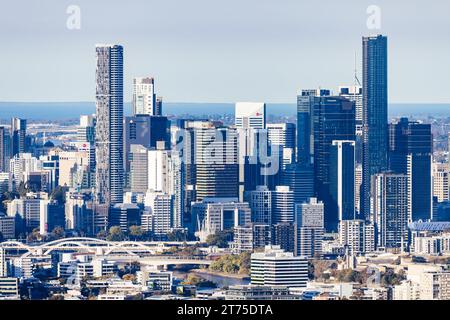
(216, 163)
(109, 128)
(158, 107)
(410, 152)
(5, 149)
(304, 123)
(18, 136)
(260, 201)
(375, 113)
(283, 135)
(144, 98)
(300, 179)
(342, 181)
(250, 115)
(354, 93)
(282, 205)
(333, 119)
(390, 209)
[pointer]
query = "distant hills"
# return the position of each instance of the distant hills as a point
(71, 110)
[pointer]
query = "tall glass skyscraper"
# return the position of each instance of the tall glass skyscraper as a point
(375, 116)
(109, 128)
(410, 152)
(18, 136)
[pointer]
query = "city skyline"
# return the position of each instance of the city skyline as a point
(271, 45)
(334, 200)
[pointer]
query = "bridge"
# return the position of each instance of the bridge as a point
(166, 260)
(92, 246)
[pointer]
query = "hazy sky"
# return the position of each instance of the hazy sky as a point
(221, 51)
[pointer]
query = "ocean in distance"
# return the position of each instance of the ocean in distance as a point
(71, 110)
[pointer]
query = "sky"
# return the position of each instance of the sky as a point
(221, 51)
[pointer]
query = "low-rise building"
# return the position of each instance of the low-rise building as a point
(274, 266)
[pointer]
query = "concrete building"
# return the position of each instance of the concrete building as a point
(357, 235)
(259, 292)
(218, 214)
(274, 267)
(260, 201)
(144, 97)
(309, 219)
(7, 227)
(250, 115)
(441, 174)
(9, 287)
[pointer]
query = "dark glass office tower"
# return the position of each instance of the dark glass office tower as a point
(375, 108)
(216, 163)
(410, 151)
(304, 123)
(333, 119)
(300, 179)
(109, 128)
(5, 149)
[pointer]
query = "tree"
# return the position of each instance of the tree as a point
(129, 277)
(58, 233)
(220, 238)
(59, 194)
(233, 264)
(197, 281)
(177, 235)
(102, 234)
(136, 232)
(115, 234)
(35, 235)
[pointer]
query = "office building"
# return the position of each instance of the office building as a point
(257, 292)
(274, 267)
(357, 235)
(441, 174)
(375, 114)
(125, 215)
(260, 201)
(284, 236)
(354, 93)
(9, 287)
(78, 216)
(219, 214)
(216, 163)
(410, 152)
(158, 214)
(390, 209)
(5, 149)
(304, 123)
(86, 129)
(144, 97)
(18, 136)
(159, 106)
(300, 179)
(250, 115)
(282, 205)
(309, 220)
(7, 227)
(283, 135)
(342, 183)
